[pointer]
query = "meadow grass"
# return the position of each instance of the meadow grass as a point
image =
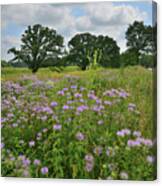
(137, 80)
(127, 91)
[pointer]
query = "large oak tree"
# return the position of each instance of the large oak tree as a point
(39, 45)
(85, 49)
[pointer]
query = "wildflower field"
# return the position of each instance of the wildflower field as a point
(96, 124)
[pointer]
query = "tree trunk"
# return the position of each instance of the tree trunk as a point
(84, 68)
(34, 70)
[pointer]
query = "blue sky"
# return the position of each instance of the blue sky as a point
(107, 18)
(78, 11)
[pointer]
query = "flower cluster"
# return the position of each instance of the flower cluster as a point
(89, 162)
(123, 132)
(69, 128)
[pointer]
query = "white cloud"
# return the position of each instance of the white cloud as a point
(83, 23)
(109, 13)
(99, 18)
(25, 14)
(8, 42)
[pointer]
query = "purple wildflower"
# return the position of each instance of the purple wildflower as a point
(26, 162)
(123, 132)
(10, 115)
(97, 150)
(89, 162)
(26, 173)
(80, 136)
(98, 101)
(133, 143)
(31, 143)
(12, 158)
(21, 157)
(77, 95)
(123, 94)
(65, 89)
(92, 96)
(148, 142)
(44, 170)
(38, 138)
(126, 131)
(97, 108)
(39, 134)
(73, 87)
(101, 107)
(14, 125)
(107, 152)
(44, 130)
(47, 109)
(70, 102)
(140, 139)
(82, 100)
(66, 107)
(57, 127)
(82, 88)
(150, 159)
(108, 103)
(89, 166)
(109, 93)
(36, 162)
(3, 120)
(131, 107)
(61, 92)
(100, 122)
(43, 118)
(54, 104)
(123, 175)
(2, 145)
(110, 151)
(120, 133)
(82, 108)
(137, 133)
(89, 158)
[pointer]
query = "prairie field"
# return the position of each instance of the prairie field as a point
(93, 124)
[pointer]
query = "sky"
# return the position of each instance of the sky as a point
(107, 18)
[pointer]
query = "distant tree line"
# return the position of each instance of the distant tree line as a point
(44, 47)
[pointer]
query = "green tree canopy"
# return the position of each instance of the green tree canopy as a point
(81, 48)
(141, 43)
(39, 44)
(127, 58)
(109, 51)
(140, 38)
(86, 49)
